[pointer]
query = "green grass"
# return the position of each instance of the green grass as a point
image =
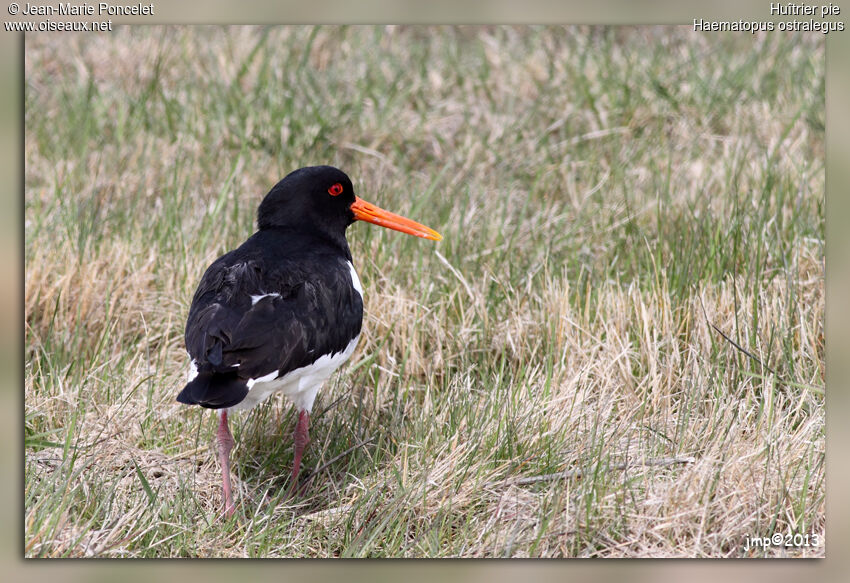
(606, 197)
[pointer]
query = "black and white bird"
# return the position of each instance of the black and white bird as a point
(283, 311)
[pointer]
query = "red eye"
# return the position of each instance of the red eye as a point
(335, 190)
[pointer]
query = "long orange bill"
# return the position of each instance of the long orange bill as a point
(365, 211)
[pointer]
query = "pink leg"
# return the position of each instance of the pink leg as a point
(225, 444)
(302, 438)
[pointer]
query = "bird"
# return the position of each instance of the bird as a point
(284, 310)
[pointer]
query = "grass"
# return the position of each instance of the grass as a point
(632, 271)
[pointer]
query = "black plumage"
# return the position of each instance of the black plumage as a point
(317, 311)
(300, 254)
(284, 310)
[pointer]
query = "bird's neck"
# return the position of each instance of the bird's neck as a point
(310, 236)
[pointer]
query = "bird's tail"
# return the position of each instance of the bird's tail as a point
(214, 390)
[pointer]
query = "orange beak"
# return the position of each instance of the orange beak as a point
(364, 211)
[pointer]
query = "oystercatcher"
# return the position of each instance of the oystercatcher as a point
(283, 311)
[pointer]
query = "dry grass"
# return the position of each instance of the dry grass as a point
(607, 198)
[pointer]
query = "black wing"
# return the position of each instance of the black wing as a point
(309, 308)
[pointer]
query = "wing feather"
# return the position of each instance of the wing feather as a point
(304, 314)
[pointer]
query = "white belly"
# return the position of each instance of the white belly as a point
(300, 385)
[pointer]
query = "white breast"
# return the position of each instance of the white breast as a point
(355, 281)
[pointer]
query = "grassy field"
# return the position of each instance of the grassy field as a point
(617, 349)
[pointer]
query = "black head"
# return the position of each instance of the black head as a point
(318, 198)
